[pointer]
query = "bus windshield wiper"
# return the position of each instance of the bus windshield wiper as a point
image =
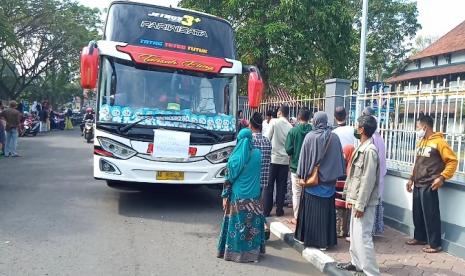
(217, 137)
(123, 129)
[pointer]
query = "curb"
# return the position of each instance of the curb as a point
(316, 257)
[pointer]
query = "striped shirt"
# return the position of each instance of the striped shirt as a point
(264, 145)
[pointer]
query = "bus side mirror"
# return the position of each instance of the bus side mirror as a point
(255, 87)
(89, 66)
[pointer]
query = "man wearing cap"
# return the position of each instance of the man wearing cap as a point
(13, 119)
(378, 141)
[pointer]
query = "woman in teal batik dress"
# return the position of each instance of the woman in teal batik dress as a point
(242, 237)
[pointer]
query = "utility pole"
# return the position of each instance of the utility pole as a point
(362, 61)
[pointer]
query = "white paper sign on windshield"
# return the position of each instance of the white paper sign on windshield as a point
(171, 144)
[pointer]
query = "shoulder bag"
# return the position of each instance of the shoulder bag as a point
(313, 179)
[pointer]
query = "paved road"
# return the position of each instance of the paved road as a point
(55, 219)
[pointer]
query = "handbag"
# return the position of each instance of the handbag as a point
(313, 179)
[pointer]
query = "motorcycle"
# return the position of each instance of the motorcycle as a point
(31, 127)
(88, 131)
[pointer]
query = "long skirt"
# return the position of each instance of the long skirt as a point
(242, 237)
(316, 223)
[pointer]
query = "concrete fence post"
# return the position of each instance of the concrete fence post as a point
(335, 92)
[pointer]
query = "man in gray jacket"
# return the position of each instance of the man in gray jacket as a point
(362, 197)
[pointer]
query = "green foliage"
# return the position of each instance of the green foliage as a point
(391, 23)
(298, 44)
(43, 39)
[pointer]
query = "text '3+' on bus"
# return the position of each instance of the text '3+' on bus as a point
(167, 95)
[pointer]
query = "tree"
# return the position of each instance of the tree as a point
(298, 44)
(283, 38)
(422, 42)
(44, 35)
(391, 23)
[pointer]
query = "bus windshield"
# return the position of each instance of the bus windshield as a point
(170, 29)
(128, 93)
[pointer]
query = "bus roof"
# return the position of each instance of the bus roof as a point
(151, 3)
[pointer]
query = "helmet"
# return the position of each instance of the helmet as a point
(89, 110)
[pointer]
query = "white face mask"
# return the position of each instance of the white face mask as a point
(420, 133)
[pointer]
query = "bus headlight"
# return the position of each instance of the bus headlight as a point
(220, 155)
(117, 149)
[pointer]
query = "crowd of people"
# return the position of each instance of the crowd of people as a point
(316, 154)
(51, 119)
(13, 116)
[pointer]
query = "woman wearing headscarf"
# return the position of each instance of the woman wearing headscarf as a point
(242, 237)
(316, 222)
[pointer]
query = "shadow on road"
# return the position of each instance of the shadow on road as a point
(173, 203)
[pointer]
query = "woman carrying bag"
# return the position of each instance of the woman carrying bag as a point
(321, 163)
(242, 237)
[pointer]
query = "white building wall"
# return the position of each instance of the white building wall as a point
(427, 62)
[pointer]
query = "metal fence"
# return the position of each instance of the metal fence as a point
(397, 112)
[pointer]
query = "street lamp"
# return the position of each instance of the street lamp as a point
(362, 61)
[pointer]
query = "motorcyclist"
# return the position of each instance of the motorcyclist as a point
(89, 116)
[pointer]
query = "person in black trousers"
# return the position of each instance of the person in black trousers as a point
(435, 163)
(279, 170)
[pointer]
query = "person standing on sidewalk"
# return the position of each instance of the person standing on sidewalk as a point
(435, 162)
(279, 171)
(316, 220)
(342, 130)
(362, 198)
(378, 141)
(266, 122)
(13, 118)
(264, 145)
(293, 145)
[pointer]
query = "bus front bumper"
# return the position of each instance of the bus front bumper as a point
(141, 170)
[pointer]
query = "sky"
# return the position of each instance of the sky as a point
(437, 17)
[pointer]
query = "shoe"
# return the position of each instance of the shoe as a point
(279, 213)
(15, 155)
(297, 241)
(346, 266)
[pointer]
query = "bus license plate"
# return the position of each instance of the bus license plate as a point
(162, 175)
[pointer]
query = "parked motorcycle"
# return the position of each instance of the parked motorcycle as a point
(88, 130)
(30, 127)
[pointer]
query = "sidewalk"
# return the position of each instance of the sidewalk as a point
(393, 255)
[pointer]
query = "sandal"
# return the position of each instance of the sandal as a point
(346, 266)
(432, 250)
(293, 221)
(415, 242)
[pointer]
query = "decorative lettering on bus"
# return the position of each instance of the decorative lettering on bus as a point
(173, 28)
(161, 44)
(148, 42)
(198, 66)
(175, 46)
(185, 20)
(197, 50)
(154, 59)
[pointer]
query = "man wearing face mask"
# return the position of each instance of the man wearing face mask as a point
(378, 141)
(435, 162)
(362, 186)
